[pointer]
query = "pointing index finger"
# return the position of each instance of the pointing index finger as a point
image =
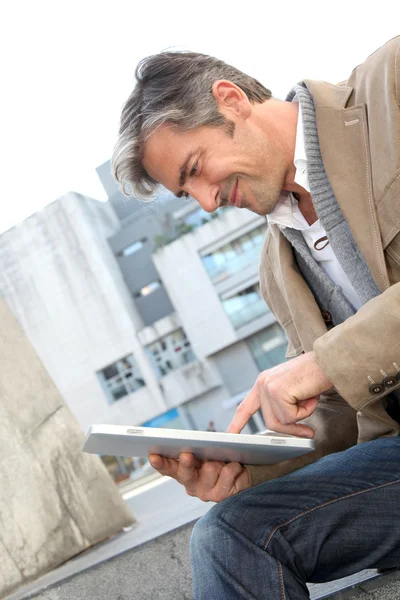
(246, 409)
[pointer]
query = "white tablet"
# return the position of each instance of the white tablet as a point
(257, 449)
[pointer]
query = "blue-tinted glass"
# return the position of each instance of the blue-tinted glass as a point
(246, 306)
(133, 248)
(233, 257)
(268, 347)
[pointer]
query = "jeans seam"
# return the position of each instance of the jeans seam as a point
(310, 510)
(281, 580)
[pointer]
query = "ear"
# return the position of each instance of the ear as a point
(231, 99)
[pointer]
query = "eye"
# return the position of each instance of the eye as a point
(183, 195)
(193, 170)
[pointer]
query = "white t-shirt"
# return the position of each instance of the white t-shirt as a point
(287, 214)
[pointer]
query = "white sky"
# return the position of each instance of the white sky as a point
(67, 67)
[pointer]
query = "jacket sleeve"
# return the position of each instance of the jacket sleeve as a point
(335, 426)
(362, 355)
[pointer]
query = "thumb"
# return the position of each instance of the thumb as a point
(306, 408)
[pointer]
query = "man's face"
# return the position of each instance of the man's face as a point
(246, 170)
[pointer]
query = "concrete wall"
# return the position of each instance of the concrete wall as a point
(55, 501)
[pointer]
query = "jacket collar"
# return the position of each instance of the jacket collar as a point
(344, 145)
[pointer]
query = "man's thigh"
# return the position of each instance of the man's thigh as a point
(332, 518)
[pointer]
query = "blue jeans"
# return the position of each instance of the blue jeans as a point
(326, 521)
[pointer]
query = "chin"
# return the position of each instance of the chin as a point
(258, 210)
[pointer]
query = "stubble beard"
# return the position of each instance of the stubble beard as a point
(266, 197)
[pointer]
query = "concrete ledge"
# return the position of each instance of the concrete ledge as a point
(160, 570)
(381, 587)
(157, 570)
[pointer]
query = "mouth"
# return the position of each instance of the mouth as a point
(234, 199)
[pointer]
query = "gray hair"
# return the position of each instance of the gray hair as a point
(174, 88)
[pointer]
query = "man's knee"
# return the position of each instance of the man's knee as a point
(242, 516)
(205, 533)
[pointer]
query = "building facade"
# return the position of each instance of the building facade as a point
(143, 313)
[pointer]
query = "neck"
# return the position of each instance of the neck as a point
(282, 117)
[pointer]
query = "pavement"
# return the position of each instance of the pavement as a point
(153, 555)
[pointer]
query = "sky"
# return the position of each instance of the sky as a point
(68, 66)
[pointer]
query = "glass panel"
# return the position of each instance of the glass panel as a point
(110, 371)
(132, 248)
(119, 392)
(268, 347)
(233, 257)
(121, 378)
(173, 351)
(149, 288)
(246, 306)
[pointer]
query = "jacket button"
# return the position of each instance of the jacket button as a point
(389, 381)
(326, 315)
(376, 388)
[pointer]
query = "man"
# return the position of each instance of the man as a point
(325, 167)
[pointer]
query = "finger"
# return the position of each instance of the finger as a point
(244, 411)
(187, 472)
(188, 459)
(306, 408)
(273, 423)
(225, 485)
(209, 475)
(165, 466)
(290, 412)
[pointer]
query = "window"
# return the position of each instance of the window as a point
(148, 289)
(245, 306)
(171, 352)
(132, 248)
(268, 347)
(236, 255)
(121, 378)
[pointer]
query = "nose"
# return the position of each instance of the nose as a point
(205, 194)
